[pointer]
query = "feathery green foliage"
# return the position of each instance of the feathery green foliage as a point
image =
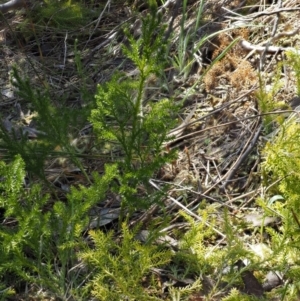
(41, 248)
(184, 293)
(281, 175)
(121, 269)
(62, 14)
(236, 295)
(55, 126)
(218, 263)
(135, 125)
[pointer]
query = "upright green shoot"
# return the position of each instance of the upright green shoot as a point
(137, 126)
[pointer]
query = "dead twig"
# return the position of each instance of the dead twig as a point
(271, 49)
(248, 148)
(12, 5)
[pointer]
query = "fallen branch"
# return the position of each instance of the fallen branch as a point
(270, 49)
(11, 5)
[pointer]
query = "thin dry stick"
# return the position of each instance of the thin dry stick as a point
(263, 13)
(227, 123)
(65, 49)
(98, 22)
(216, 167)
(193, 191)
(208, 173)
(217, 183)
(241, 196)
(248, 148)
(268, 44)
(245, 204)
(276, 11)
(271, 49)
(191, 213)
(177, 132)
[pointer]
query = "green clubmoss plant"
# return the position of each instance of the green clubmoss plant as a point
(121, 269)
(62, 15)
(55, 124)
(206, 260)
(39, 241)
(135, 126)
(236, 295)
(281, 199)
